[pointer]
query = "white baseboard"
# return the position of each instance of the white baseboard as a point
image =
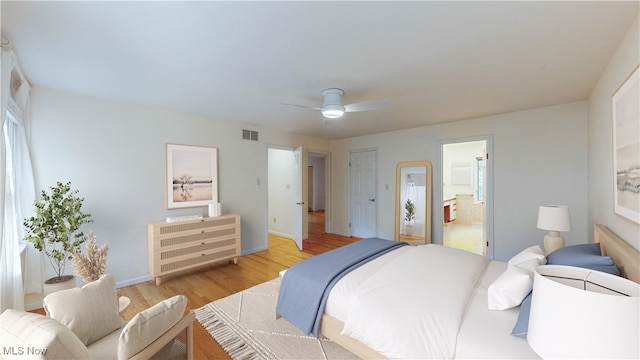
(254, 250)
(124, 283)
(276, 233)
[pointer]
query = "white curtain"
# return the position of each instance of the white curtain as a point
(17, 190)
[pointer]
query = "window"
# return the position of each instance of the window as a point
(16, 188)
(478, 181)
(10, 220)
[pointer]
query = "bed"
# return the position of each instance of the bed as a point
(462, 327)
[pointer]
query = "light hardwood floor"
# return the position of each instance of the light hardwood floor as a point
(222, 280)
(217, 281)
(211, 284)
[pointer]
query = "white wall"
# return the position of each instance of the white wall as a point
(540, 157)
(114, 154)
(623, 62)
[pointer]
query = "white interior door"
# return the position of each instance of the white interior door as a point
(300, 194)
(363, 194)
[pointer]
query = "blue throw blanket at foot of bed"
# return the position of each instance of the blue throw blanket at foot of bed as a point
(306, 286)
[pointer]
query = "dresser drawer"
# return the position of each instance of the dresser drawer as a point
(180, 246)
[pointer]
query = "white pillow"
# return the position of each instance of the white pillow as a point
(533, 252)
(149, 324)
(21, 331)
(91, 312)
(510, 288)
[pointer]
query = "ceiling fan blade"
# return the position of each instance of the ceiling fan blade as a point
(302, 106)
(366, 105)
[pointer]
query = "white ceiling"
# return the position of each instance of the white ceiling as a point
(238, 61)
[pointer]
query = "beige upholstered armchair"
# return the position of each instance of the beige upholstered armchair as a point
(83, 323)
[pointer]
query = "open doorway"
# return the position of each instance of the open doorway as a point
(465, 195)
(281, 193)
(317, 193)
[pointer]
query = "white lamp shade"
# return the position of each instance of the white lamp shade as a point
(554, 218)
(567, 321)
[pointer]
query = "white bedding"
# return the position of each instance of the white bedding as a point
(452, 322)
(339, 297)
(486, 334)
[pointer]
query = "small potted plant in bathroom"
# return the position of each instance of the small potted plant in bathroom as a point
(409, 215)
(54, 230)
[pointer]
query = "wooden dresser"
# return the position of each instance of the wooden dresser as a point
(176, 247)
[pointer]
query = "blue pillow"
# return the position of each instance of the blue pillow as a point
(522, 325)
(583, 255)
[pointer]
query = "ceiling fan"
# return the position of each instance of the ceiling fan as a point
(332, 107)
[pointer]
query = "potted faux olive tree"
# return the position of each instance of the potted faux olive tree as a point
(409, 215)
(54, 230)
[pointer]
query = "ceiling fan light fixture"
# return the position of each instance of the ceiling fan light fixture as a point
(332, 111)
(332, 107)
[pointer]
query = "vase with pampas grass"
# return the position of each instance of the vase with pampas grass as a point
(91, 266)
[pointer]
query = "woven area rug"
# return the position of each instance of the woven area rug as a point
(244, 325)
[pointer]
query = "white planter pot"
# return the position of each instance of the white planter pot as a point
(408, 230)
(51, 287)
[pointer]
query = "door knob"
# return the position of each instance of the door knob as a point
(372, 200)
(300, 203)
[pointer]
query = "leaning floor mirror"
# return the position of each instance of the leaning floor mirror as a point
(413, 202)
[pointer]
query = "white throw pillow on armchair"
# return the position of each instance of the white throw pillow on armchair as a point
(43, 337)
(149, 324)
(91, 312)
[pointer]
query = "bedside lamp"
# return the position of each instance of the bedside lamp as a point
(579, 313)
(554, 218)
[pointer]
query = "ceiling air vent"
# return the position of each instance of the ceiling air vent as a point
(249, 135)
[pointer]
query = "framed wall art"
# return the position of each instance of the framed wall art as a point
(625, 108)
(192, 176)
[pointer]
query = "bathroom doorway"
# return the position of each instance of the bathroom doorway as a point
(466, 195)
